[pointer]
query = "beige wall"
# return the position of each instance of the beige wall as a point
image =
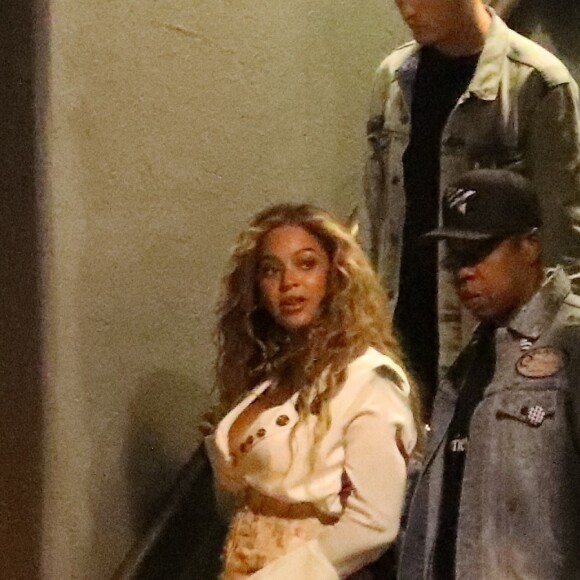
(167, 124)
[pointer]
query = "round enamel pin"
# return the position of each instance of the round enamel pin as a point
(541, 362)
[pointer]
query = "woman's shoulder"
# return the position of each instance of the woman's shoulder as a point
(377, 386)
(375, 369)
(374, 383)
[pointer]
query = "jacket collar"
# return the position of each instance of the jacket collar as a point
(530, 320)
(486, 80)
(406, 73)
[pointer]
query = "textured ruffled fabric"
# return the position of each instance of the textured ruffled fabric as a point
(255, 540)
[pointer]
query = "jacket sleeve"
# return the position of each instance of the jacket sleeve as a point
(553, 164)
(571, 345)
(377, 441)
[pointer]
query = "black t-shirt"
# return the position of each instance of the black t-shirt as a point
(470, 375)
(439, 83)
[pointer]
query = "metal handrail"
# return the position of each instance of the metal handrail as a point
(177, 542)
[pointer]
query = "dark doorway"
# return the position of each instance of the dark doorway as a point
(20, 309)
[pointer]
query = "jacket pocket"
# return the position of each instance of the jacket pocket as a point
(523, 502)
(531, 408)
(495, 156)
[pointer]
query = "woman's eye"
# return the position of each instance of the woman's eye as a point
(268, 270)
(308, 264)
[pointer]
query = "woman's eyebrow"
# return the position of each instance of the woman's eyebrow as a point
(309, 249)
(299, 251)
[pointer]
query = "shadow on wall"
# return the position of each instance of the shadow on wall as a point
(139, 477)
(157, 416)
(179, 535)
(553, 24)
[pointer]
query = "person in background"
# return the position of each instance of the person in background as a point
(497, 496)
(323, 417)
(467, 93)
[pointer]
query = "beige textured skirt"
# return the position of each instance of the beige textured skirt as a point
(265, 530)
(256, 539)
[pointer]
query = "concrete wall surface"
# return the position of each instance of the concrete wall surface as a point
(165, 125)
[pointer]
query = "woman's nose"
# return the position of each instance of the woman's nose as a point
(289, 278)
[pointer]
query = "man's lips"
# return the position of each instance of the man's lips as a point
(414, 25)
(469, 295)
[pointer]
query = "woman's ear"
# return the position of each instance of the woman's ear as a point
(352, 223)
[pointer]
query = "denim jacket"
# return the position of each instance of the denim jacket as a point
(519, 512)
(520, 110)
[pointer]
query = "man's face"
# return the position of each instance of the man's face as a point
(432, 22)
(492, 279)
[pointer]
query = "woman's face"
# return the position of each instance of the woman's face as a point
(293, 271)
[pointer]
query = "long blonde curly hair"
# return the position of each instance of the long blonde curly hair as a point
(354, 316)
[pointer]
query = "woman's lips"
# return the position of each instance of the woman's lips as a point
(292, 305)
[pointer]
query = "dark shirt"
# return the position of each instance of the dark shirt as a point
(439, 83)
(471, 374)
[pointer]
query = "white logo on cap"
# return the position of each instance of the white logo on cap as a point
(458, 199)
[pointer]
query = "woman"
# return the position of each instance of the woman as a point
(324, 418)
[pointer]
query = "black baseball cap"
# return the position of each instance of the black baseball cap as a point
(486, 204)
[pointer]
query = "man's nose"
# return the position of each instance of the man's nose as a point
(464, 272)
(407, 8)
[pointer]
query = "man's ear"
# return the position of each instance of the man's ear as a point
(532, 247)
(504, 7)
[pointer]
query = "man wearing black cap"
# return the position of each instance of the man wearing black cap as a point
(469, 92)
(497, 497)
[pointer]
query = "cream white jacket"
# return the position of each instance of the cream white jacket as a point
(372, 431)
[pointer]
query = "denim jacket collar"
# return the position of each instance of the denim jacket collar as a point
(486, 80)
(529, 322)
(531, 319)
(406, 73)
